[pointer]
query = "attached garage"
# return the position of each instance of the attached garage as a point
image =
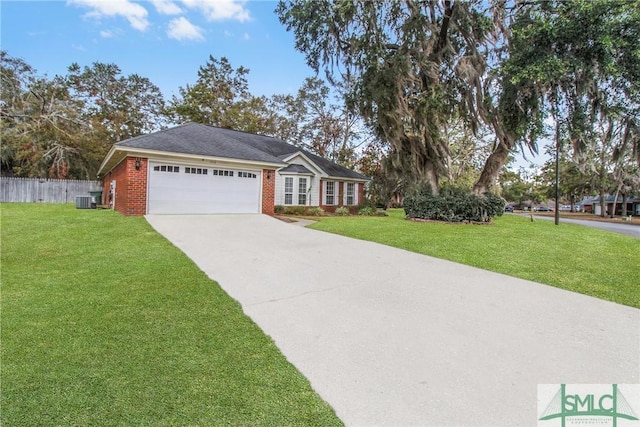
(193, 189)
(198, 169)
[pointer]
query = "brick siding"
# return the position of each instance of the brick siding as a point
(131, 186)
(268, 191)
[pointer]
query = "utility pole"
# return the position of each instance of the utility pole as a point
(557, 209)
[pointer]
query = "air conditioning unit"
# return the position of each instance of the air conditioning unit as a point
(83, 202)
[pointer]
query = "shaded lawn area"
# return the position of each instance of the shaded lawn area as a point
(104, 322)
(589, 261)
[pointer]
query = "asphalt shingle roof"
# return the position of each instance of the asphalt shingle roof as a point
(193, 138)
(293, 168)
(197, 139)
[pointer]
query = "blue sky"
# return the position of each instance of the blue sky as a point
(163, 40)
(166, 41)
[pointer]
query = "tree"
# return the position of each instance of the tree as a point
(121, 106)
(417, 65)
(575, 183)
(582, 61)
(320, 124)
(42, 125)
(64, 126)
(221, 97)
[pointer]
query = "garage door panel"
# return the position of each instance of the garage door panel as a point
(184, 193)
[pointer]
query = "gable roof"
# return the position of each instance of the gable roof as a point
(202, 140)
(294, 168)
(193, 138)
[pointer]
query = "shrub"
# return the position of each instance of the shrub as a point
(455, 206)
(342, 211)
(367, 211)
(278, 209)
(316, 211)
(295, 210)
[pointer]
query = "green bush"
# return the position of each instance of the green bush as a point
(316, 211)
(295, 210)
(369, 211)
(454, 206)
(342, 211)
(278, 209)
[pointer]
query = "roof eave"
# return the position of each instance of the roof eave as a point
(145, 152)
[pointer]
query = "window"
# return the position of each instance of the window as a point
(246, 175)
(197, 171)
(351, 192)
(330, 192)
(165, 168)
(222, 172)
(288, 190)
(302, 191)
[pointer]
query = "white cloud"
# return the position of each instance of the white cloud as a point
(219, 10)
(246, 36)
(133, 12)
(106, 34)
(166, 7)
(182, 29)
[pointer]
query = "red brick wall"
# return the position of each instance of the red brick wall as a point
(268, 191)
(360, 191)
(131, 186)
(340, 189)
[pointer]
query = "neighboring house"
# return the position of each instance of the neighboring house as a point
(198, 169)
(592, 205)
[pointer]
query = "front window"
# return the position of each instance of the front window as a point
(351, 191)
(288, 190)
(330, 194)
(302, 191)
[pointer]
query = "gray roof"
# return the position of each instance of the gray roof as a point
(293, 168)
(197, 139)
(193, 138)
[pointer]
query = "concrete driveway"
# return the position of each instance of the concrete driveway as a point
(389, 337)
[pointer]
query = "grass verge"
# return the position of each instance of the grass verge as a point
(104, 322)
(577, 258)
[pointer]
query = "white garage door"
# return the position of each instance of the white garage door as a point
(179, 189)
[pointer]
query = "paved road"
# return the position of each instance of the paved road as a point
(389, 337)
(628, 229)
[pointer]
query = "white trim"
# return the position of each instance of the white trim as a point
(166, 156)
(305, 193)
(335, 193)
(319, 170)
(210, 166)
(292, 193)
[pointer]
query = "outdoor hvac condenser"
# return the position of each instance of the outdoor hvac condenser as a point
(83, 202)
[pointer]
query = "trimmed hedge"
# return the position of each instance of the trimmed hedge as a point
(453, 207)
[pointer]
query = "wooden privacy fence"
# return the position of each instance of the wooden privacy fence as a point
(44, 190)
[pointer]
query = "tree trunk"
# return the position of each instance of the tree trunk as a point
(624, 204)
(615, 202)
(603, 205)
(491, 169)
(430, 175)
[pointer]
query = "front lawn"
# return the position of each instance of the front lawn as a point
(104, 322)
(581, 259)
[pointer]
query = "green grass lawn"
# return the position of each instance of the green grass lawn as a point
(105, 323)
(581, 259)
